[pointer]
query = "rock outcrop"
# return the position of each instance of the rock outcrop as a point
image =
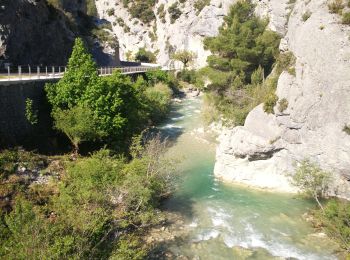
(165, 37)
(32, 32)
(265, 151)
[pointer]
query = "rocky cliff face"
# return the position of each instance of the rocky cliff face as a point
(163, 36)
(32, 32)
(264, 151)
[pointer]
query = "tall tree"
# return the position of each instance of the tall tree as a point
(184, 56)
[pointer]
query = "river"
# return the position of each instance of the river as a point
(223, 221)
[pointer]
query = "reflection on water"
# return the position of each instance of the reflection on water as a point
(225, 221)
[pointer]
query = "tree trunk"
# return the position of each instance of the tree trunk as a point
(319, 203)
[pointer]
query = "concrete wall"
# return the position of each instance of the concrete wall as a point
(14, 127)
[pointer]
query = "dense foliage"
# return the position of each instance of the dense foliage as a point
(145, 56)
(95, 209)
(141, 9)
(243, 55)
(110, 109)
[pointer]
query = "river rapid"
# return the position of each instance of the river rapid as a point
(222, 221)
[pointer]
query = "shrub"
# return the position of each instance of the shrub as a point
(336, 6)
(286, 62)
(141, 9)
(161, 12)
(110, 11)
(174, 12)
(346, 129)
(311, 180)
(200, 4)
(282, 105)
(270, 103)
(346, 18)
(335, 220)
(306, 16)
(145, 56)
(158, 98)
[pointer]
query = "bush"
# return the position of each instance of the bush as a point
(96, 196)
(311, 180)
(346, 18)
(306, 16)
(282, 105)
(174, 12)
(346, 129)
(200, 4)
(141, 9)
(270, 103)
(336, 6)
(335, 220)
(158, 99)
(145, 56)
(110, 11)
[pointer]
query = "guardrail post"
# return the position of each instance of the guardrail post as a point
(38, 71)
(46, 71)
(59, 70)
(30, 72)
(53, 71)
(20, 72)
(8, 71)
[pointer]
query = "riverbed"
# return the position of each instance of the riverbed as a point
(222, 221)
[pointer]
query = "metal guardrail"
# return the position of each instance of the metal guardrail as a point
(28, 73)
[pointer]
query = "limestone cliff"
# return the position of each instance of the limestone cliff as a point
(264, 151)
(163, 35)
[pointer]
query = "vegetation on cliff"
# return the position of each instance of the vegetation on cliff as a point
(242, 57)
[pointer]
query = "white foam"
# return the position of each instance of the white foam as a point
(250, 239)
(171, 126)
(193, 224)
(177, 118)
(207, 235)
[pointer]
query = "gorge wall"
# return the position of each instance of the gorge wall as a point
(266, 150)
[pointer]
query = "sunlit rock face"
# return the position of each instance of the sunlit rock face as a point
(163, 36)
(264, 152)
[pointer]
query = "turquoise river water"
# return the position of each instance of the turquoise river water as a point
(225, 221)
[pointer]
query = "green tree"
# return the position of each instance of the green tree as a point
(111, 103)
(78, 124)
(243, 53)
(184, 56)
(312, 180)
(81, 74)
(145, 56)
